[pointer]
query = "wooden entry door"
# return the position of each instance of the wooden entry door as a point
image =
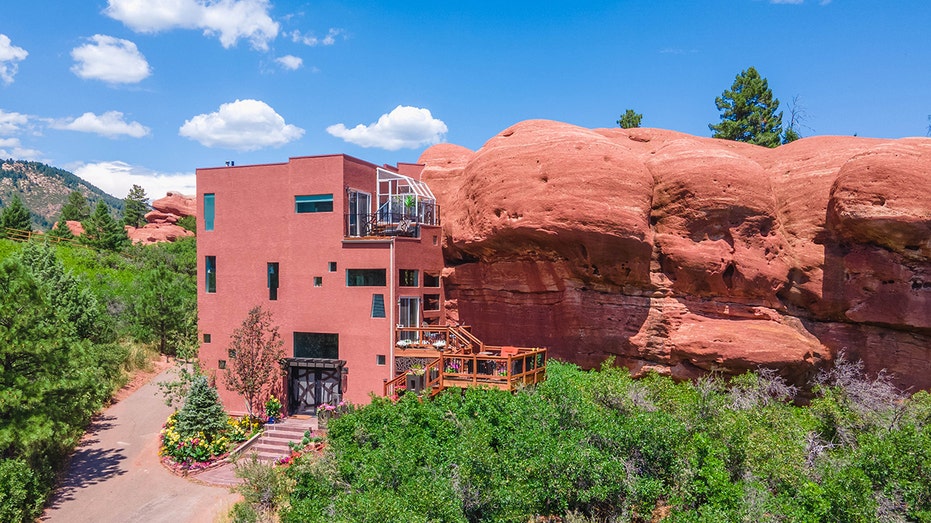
(312, 387)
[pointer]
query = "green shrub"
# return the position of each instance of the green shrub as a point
(22, 491)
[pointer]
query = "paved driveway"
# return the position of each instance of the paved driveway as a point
(115, 474)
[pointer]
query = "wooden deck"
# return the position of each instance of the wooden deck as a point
(459, 359)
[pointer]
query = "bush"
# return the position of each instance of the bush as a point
(22, 492)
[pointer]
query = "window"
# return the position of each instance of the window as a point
(206, 338)
(434, 239)
(210, 269)
(431, 302)
(318, 281)
(379, 359)
(366, 277)
(231, 353)
(313, 203)
(208, 212)
(316, 345)
(332, 266)
(378, 305)
(407, 277)
(431, 280)
(221, 364)
(273, 280)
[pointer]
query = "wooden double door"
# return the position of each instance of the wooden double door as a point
(311, 387)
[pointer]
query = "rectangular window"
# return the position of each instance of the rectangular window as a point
(221, 364)
(431, 302)
(332, 266)
(210, 263)
(318, 281)
(366, 277)
(208, 212)
(407, 277)
(272, 280)
(379, 359)
(313, 203)
(378, 305)
(316, 345)
(231, 353)
(431, 280)
(206, 338)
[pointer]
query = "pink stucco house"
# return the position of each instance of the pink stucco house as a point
(341, 251)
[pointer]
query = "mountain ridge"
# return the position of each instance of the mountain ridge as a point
(44, 189)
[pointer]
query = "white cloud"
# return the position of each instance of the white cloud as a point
(116, 178)
(12, 148)
(230, 19)
(290, 62)
(110, 124)
(11, 122)
(110, 59)
(9, 55)
(244, 125)
(404, 127)
(306, 39)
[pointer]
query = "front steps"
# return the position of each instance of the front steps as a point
(273, 444)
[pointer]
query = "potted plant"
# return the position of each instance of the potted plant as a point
(272, 408)
(415, 378)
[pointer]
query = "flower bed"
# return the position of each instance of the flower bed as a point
(201, 451)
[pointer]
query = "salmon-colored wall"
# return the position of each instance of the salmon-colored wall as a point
(256, 223)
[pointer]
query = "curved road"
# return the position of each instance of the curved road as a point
(115, 474)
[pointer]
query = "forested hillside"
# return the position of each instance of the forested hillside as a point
(45, 189)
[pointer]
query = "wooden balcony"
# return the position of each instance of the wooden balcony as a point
(459, 359)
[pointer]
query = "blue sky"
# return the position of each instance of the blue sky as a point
(146, 91)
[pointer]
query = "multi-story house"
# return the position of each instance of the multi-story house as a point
(341, 251)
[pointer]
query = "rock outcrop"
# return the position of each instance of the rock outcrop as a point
(684, 255)
(162, 222)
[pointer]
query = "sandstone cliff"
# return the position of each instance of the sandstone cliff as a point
(684, 254)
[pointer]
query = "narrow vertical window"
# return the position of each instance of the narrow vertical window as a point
(206, 338)
(378, 305)
(208, 212)
(210, 269)
(273, 280)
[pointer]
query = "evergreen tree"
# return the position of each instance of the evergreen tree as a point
(630, 119)
(61, 230)
(135, 205)
(255, 369)
(748, 112)
(15, 216)
(77, 208)
(202, 411)
(165, 309)
(104, 232)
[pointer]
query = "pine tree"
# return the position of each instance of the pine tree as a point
(630, 119)
(202, 411)
(77, 208)
(15, 216)
(61, 230)
(135, 206)
(102, 231)
(748, 112)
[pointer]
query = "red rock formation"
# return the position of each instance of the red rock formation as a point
(161, 226)
(177, 204)
(685, 254)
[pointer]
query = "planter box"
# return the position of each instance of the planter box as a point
(414, 382)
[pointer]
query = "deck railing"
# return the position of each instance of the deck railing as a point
(462, 360)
